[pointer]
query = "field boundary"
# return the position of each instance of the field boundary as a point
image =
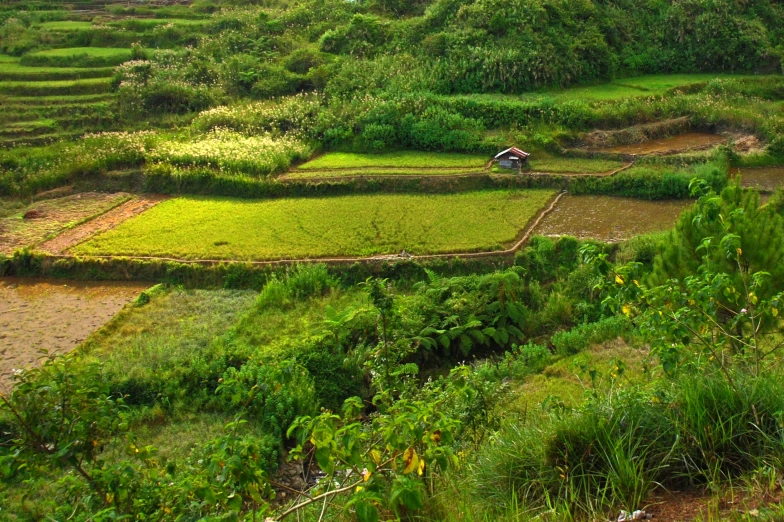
(526, 235)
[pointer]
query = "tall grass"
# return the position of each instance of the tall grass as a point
(615, 450)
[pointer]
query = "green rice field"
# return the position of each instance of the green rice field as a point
(223, 228)
(64, 25)
(378, 172)
(403, 159)
(573, 165)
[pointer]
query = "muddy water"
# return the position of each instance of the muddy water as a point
(766, 179)
(682, 142)
(609, 218)
(55, 315)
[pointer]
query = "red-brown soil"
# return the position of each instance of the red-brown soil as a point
(102, 223)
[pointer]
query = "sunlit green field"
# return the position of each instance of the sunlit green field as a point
(64, 25)
(573, 165)
(222, 228)
(381, 171)
(403, 159)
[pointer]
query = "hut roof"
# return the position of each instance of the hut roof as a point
(521, 154)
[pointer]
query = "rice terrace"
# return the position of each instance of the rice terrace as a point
(437, 260)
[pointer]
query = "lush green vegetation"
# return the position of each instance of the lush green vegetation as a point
(203, 228)
(569, 381)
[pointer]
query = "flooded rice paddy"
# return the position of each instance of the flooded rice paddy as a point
(766, 179)
(608, 218)
(53, 315)
(682, 142)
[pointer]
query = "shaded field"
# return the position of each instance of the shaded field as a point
(63, 87)
(610, 219)
(573, 165)
(50, 217)
(223, 228)
(639, 86)
(15, 72)
(53, 315)
(403, 159)
(78, 57)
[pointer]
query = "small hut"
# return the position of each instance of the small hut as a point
(512, 158)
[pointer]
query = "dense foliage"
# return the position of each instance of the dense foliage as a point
(566, 382)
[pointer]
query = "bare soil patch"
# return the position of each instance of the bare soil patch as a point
(56, 316)
(102, 223)
(42, 219)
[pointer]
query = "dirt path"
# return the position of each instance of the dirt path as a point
(107, 221)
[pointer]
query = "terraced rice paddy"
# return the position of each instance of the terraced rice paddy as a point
(38, 221)
(222, 228)
(42, 104)
(404, 163)
(380, 172)
(53, 315)
(608, 218)
(683, 142)
(573, 165)
(78, 57)
(400, 160)
(64, 25)
(765, 179)
(13, 71)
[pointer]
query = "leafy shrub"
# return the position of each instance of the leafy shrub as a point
(271, 395)
(579, 338)
(299, 282)
(335, 377)
(377, 137)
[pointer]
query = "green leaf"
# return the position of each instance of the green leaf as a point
(324, 459)
(366, 512)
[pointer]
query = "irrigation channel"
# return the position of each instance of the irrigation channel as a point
(53, 315)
